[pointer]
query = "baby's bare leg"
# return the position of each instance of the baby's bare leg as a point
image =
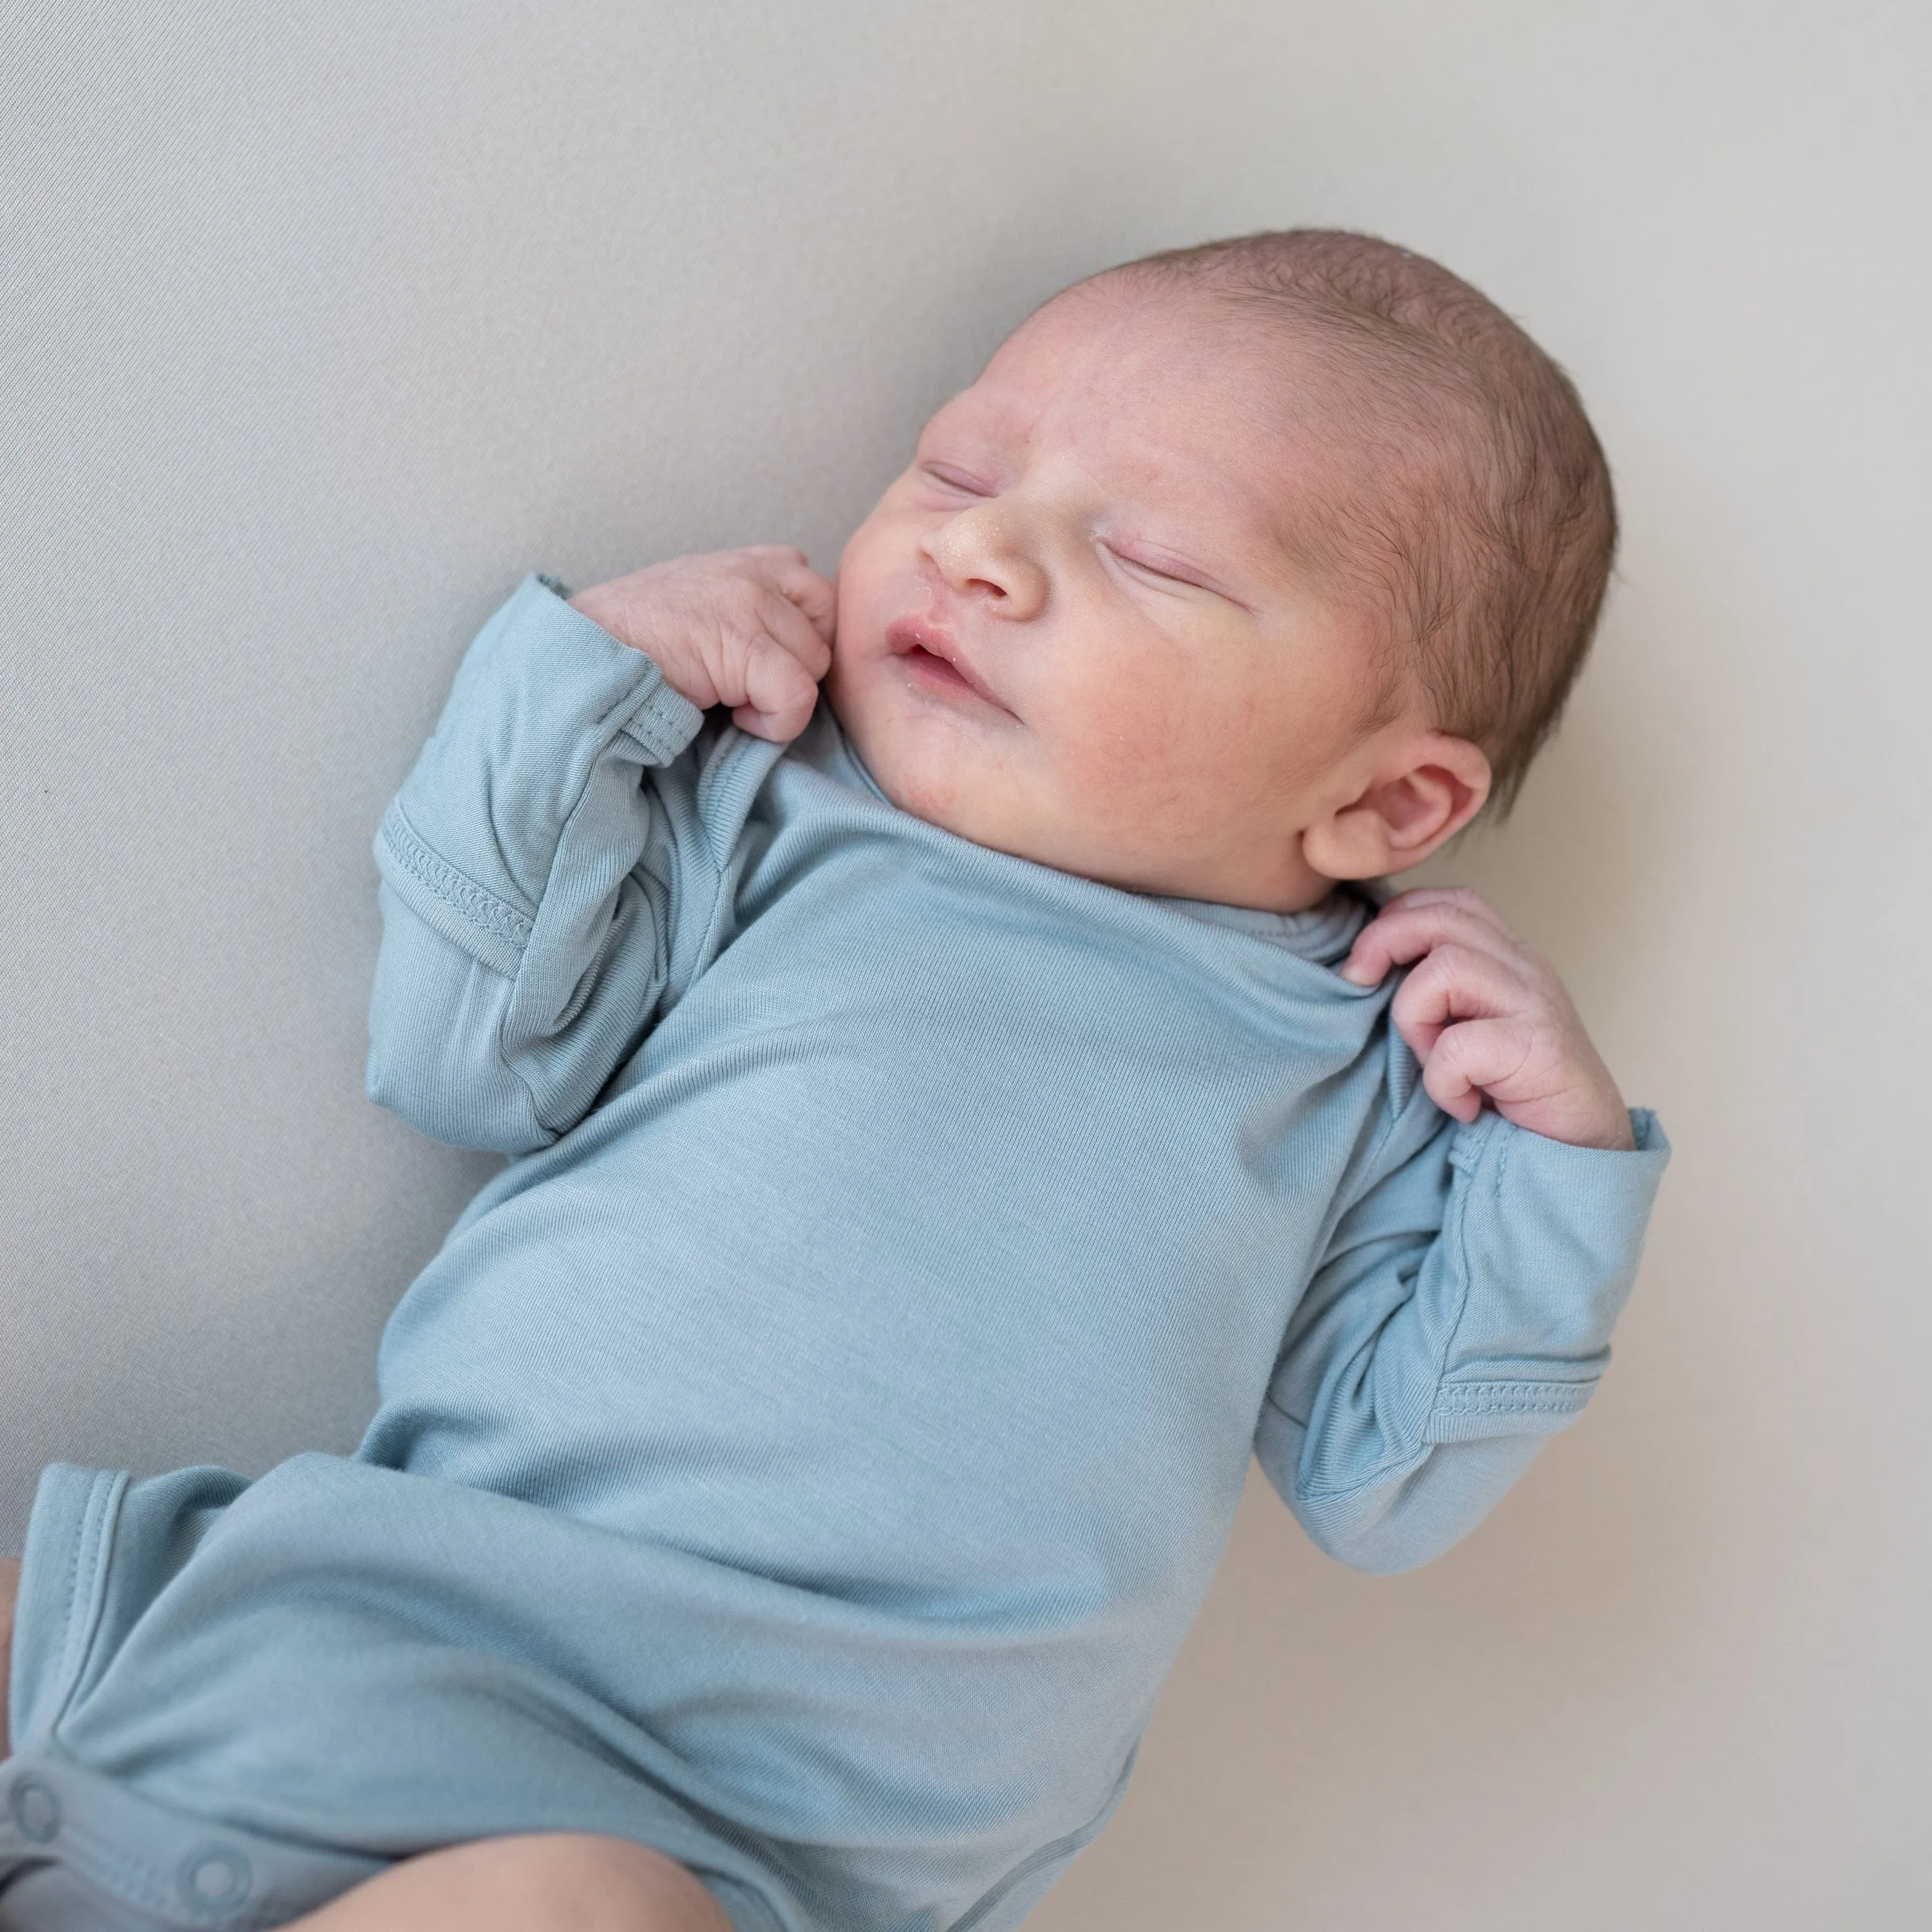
(10, 1590)
(543, 1881)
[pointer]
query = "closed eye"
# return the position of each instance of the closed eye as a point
(1163, 572)
(948, 477)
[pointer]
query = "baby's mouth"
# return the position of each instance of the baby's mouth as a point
(935, 661)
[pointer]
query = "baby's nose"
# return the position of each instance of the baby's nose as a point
(982, 555)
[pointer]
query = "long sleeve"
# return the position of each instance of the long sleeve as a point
(1461, 1315)
(527, 883)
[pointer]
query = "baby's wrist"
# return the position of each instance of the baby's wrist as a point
(603, 605)
(1615, 1136)
(613, 612)
(1578, 1121)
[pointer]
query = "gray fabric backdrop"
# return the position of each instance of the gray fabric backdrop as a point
(321, 325)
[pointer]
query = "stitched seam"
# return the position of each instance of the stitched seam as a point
(1513, 1406)
(69, 1672)
(1454, 1228)
(76, 1645)
(456, 889)
(646, 723)
(1065, 1846)
(1502, 1388)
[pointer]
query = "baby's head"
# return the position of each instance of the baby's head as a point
(1240, 570)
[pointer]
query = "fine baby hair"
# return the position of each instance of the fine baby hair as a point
(1483, 515)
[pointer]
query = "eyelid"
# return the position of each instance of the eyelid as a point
(1168, 568)
(952, 478)
(1183, 573)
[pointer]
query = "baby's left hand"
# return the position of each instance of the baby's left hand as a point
(1487, 1016)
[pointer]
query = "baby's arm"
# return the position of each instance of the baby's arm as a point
(1462, 1311)
(529, 880)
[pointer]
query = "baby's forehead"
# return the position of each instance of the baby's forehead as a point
(1110, 349)
(1178, 398)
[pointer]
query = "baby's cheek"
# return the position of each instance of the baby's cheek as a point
(1135, 756)
(856, 622)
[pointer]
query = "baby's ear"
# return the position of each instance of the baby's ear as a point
(1425, 786)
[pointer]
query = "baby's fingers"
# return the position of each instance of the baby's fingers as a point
(782, 623)
(1476, 1057)
(1462, 898)
(814, 594)
(1455, 983)
(1408, 927)
(786, 569)
(780, 693)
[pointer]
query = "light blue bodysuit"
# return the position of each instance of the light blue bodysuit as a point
(807, 1455)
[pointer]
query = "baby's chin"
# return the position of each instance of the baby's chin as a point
(933, 768)
(939, 775)
(917, 769)
(945, 778)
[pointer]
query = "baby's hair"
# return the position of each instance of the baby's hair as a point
(1493, 542)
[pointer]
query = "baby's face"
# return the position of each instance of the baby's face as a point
(1077, 628)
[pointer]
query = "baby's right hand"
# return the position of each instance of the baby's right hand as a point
(751, 628)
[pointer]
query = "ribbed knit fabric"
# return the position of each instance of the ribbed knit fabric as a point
(808, 1454)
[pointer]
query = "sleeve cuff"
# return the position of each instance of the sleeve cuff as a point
(662, 720)
(1549, 1237)
(544, 696)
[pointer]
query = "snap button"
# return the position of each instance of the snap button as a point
(36, 1810)
(214, 1878)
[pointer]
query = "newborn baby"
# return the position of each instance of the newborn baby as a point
(951, 1130)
